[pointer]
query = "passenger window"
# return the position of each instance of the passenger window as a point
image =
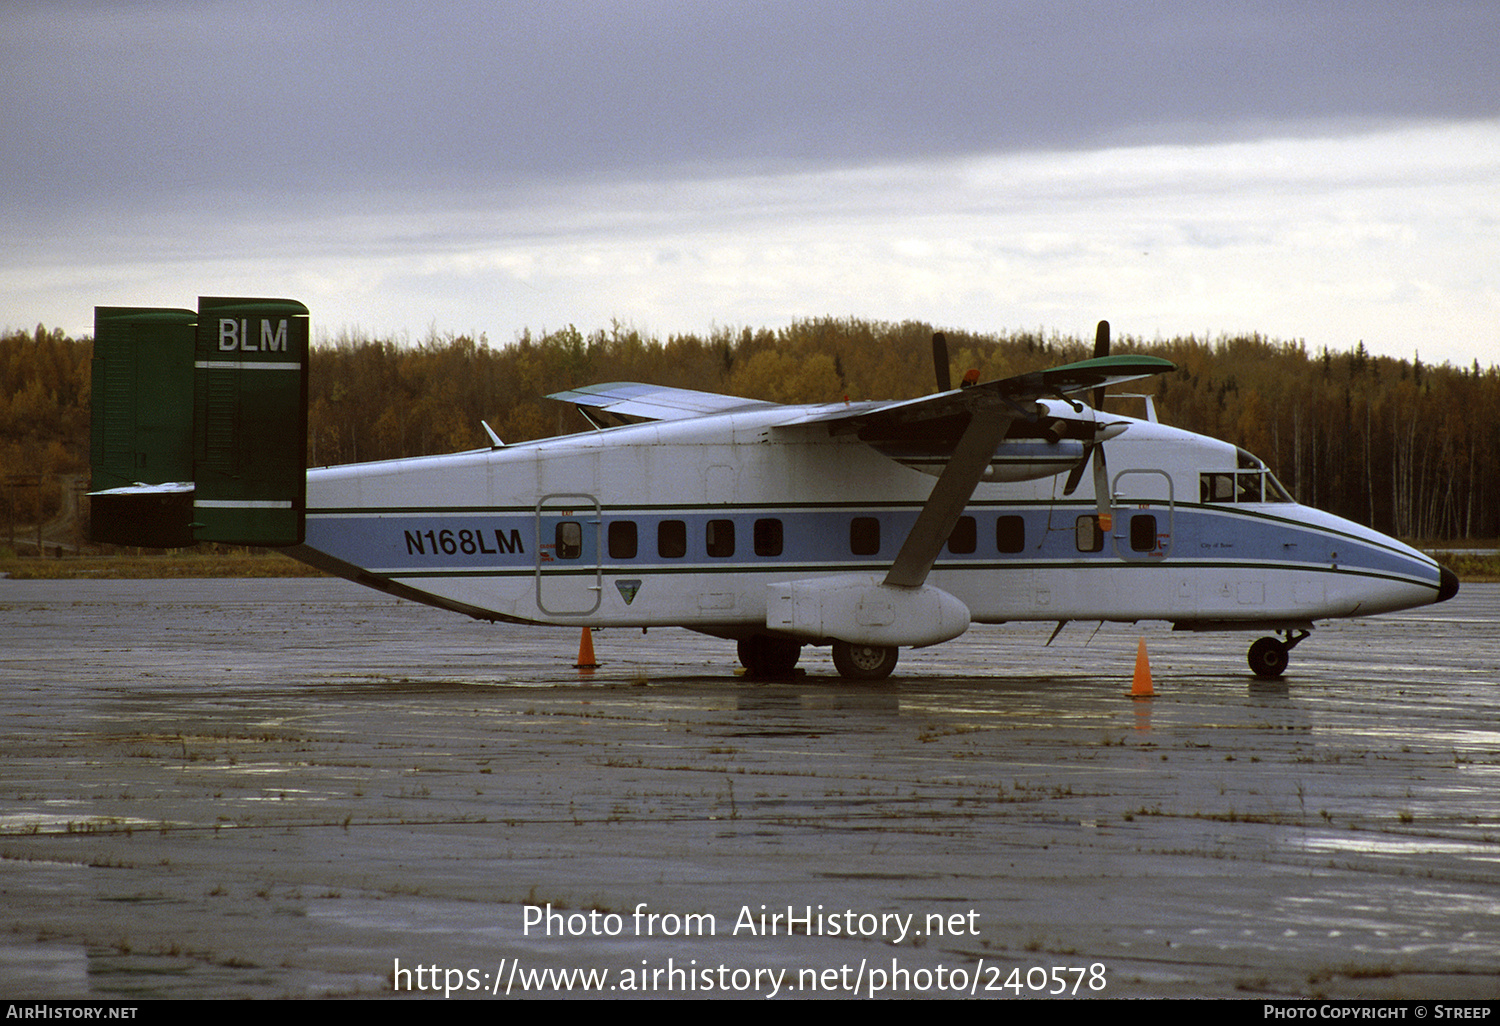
(963, 540)
(768, 537)
(622, 539)
(1087, 534)
(864, 536)
(1010, 534)
(720, 538)
(671, 539)
(569, 540)
(1143, 532)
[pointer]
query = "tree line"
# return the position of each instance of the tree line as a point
(1411, 449)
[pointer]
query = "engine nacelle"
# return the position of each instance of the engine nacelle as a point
(860, 609)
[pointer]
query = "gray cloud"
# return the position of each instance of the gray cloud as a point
(494, 165)
(131, 98)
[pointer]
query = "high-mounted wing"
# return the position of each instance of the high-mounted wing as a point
(1009, 393)
(970, 423)
(628, 402)
(981, 416)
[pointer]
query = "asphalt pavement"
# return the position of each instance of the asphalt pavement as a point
(299, 788)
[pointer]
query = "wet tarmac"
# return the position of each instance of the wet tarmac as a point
(302, 788)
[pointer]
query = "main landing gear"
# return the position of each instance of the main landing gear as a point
(864, 662)
(768, 658)
(1269, 657)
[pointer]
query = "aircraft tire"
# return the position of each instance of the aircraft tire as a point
(768, 658)
(1268, 658)
(864, 662)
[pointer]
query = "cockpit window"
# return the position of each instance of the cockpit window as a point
(1216, 487)
(1252, 482)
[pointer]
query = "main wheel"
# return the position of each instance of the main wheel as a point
(768, 658)
(1268, 658)
(864, 662)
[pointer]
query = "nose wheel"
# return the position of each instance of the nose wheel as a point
(1269, 657)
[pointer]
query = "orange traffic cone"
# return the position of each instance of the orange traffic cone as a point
(586, 651)
(1140, 687)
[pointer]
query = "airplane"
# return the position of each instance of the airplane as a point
(866, 526)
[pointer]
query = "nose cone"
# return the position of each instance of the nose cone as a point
(1447, 584)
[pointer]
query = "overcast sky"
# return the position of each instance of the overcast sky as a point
(1319, 171)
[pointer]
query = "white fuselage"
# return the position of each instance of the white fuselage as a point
(694, 522)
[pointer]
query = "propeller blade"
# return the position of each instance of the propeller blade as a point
(1101, 492)
(1094, 450)
(940, 361)
(1101, 348)
(1076, 474)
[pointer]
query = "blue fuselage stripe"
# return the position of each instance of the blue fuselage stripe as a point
(448, 541)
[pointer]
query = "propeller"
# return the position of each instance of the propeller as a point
(1094, 448)
(1101, 349)
(940, 361)
(1101, 491)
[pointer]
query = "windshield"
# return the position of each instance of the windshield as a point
(1251, 482)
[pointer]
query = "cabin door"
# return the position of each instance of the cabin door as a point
(567, 554)
(1144, 509)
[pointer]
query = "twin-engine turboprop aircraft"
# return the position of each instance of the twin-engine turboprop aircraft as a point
(867, 526)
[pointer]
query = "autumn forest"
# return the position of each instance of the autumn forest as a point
(1411, 449)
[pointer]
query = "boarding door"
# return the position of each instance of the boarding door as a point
(1144, 509)
(567, 554)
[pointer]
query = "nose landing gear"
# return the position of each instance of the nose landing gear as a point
(1269, 657)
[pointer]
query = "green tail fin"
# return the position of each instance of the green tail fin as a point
(200, 423)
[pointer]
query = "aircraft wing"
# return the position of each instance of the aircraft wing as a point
(1012, 394)
(980, 417)
(973, 421)
(628, 402)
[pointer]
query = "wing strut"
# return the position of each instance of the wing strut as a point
(949, 496)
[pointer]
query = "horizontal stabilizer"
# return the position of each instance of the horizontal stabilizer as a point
(151, 516)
